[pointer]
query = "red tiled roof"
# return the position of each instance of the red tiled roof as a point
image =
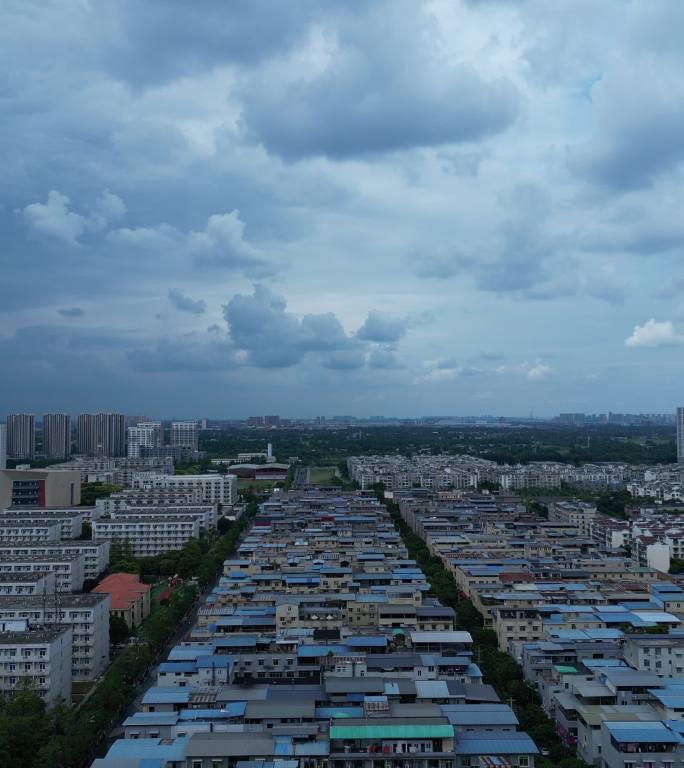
(124, 589)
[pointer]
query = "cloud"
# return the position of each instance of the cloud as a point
(382, 328)
(71, 312)
(640, 126)
(184, 303)
(274, 338)
(539, 372)
(191, 353)
(364, 86)
(654, 334)
(532, 372)
(221, 245)
(53, 219)
(383, 358)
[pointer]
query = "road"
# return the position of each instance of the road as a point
(301, 478)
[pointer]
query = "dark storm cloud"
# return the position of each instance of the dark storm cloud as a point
(160, 40)
(381, 327)
(383, 88)
(185, 303)
(274, 338)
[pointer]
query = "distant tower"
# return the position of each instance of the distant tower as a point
(21, 435)
(269, 452)
(3, 446)
(56, 435)
(680, 435)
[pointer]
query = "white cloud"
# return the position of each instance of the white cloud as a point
(654, 334)
(539, 372)
(53, 219)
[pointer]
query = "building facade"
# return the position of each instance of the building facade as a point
(42, 656)
(101, 434)
(56, 435)
(680, 435)
(21, 435)
(185, 434)
(3, 446)
(144, 439)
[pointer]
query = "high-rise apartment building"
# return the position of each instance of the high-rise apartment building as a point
(3, 446)
(101, 434)
(21, 435)
(144, 439)
(56, 435)
(185, 434)
(680, 435)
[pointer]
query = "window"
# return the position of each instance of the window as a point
(523, 761)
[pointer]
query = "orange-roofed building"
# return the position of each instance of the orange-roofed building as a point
(128, 597)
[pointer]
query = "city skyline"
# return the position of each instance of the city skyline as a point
(400, 207)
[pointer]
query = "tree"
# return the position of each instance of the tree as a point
(118, 630)
(676, 566)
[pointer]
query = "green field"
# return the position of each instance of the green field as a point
(322, 475)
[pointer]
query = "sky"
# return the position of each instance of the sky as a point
(391, 207)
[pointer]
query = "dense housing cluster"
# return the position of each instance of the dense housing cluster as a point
(321, 647)
(595, 630)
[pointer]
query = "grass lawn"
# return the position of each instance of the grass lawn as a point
(79, 689)
(321, 475)
(262, 485)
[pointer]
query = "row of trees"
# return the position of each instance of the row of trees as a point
(499, 669)
(202, 557)
(33, 735)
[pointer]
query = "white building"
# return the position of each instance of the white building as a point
(87, 616)
(95, 554)
(70, 521)
(185, 434)
(680, 435)
(215, 488)
(146, 436)
(28, 529)
(147, 534)
(28, 583)
(68, 568)
(42, 656)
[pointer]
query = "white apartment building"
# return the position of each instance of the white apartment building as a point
(87, 616)
(185, 434)
(28, 583)
(70, 521)
(215, 488)
(68, 568)
(680, 435)
(95, 554)
(147, 534)
(577, 513)
(146, 436)
(24, 529)
(42, 656)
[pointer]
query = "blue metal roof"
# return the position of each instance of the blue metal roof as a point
(151, 718)
(153, 748)
(177, 666)
(486, 743)
(166, 694)
(376, 641)
(233, 709)
(643, 732)
(311, 651)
